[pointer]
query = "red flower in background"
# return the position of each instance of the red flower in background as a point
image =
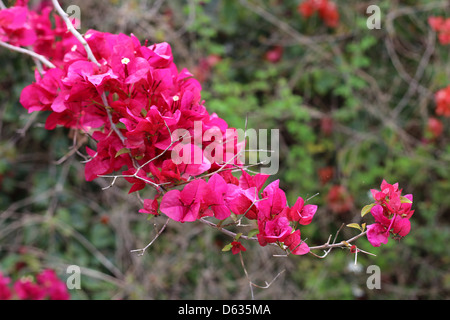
(434, 127)
(442, 98)
(327, 11)
(202, 71)
(339, 199)
(442, 26)
(325, 174)
(274, 54)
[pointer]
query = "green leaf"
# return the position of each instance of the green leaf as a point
(355, 225)
(238, 236)
(404, 199)
(367, 209)
(120, 125)
(253, 232)
(122, 151)
(227, 247)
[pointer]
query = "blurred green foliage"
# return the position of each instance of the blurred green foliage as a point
(349, 101)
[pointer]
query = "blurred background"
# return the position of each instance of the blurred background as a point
(353, 105)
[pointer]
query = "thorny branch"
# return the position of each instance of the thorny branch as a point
(327, 247)
(33, 54)
(74, 31)
(142, 250)
(251, 284)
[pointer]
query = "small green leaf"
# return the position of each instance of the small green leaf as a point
(121, 151)
(363, 226)
(253, 232)
(120, 125)
(354, 225)
(238, 236)
(404, 199)
(367, 209)
(227, 247)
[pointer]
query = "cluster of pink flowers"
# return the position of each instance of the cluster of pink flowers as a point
(15, 27)
(137, 91)
(132, 104)
(132, 100)
(20, 26)
(327, 11)
(391, 212)
(220, 198)
(442, 26)
(47, 286)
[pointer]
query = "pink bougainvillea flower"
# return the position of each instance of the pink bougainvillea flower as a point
(247, 181)
(184, 205)
(5, 291)
(302, 213)
(217, 192)
(378, 212)
(190, 160)
(389, 193)
(295, 244)
(405, 210)
(236, 247)
(15, 28)
(391, 212)
(159, 55)
(137, 179)
(141, 131)
(47, 286)
(26, 289)
(377, 234)
(273, 200)
(41, 95)
(54, 288)
(401, 226)
(243, 202)
(106, 159)
(276, 230)
(150, 206)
